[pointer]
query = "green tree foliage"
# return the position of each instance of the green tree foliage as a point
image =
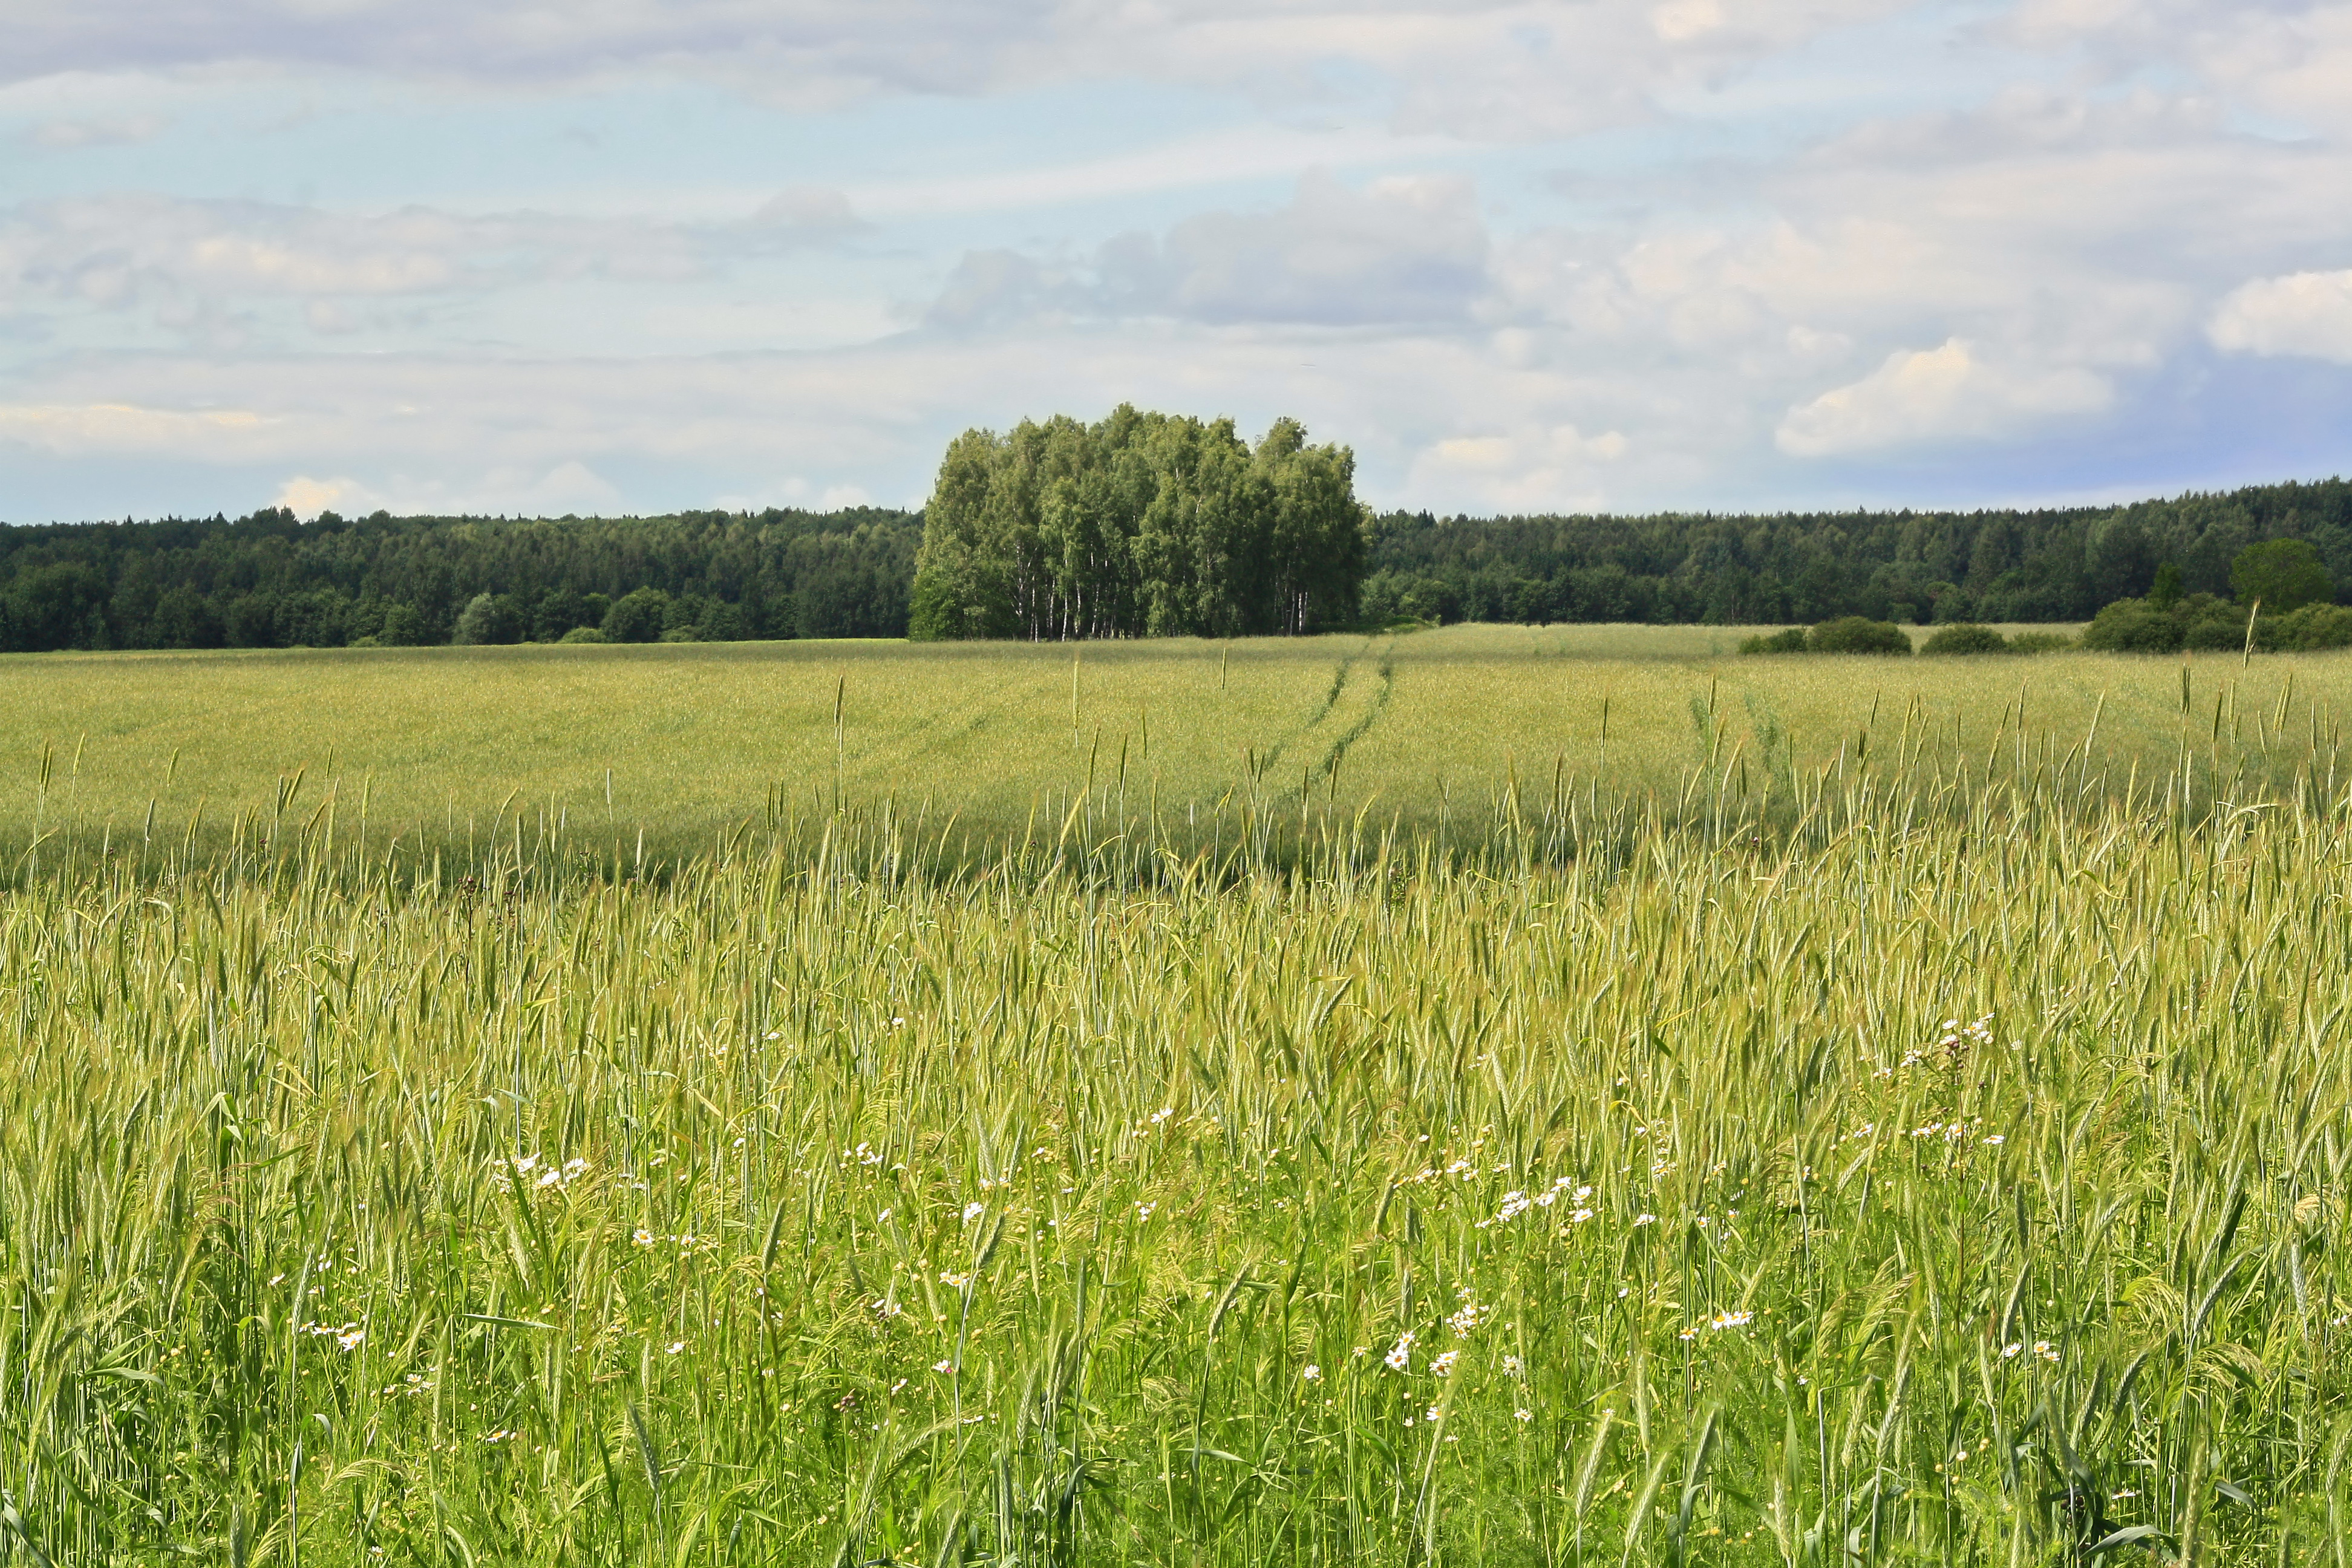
(268, 581)
(1965, 638)
(403, 628)
(2282, 574)
(1940, 567)
(1847, 633)
(637, 616)
(1143, 524)
(1858, 634)
(2203, 622)
(490, 619)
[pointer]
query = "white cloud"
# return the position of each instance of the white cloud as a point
(1944, 393)
(97, 133)
(795, 491)
(2307, 313)
(1679, 21)
(78, 429)
(1255, 152)
(117, 250)
(565, 489)
(808, 214)
(1488, 67)
(1403, 251)
(2296, 63)
(1557, 469)
(2289, 58)
(194, 265)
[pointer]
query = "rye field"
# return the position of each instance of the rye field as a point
(568, 757)
(1842, 1111)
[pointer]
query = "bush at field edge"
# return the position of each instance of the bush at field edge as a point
(1965, 637)
(1847, 633)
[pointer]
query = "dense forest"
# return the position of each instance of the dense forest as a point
(1941, 567)
(268, 581)
(1142, 525)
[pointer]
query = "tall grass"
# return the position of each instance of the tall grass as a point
(1875, 1162)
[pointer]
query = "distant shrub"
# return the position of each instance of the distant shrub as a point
(681, 634)
(2042, 642)
(2214, 634)
(1857, 634)
(1966, 637)
(2137, 626)
(1848, 633)
(585, 634)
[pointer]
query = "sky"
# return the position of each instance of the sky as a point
(627, 256)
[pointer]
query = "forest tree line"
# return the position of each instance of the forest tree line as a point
(269, 581)
(1940, 568)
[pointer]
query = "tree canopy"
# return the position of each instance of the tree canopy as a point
(2048, 564)
(1141, 525)
(269, 581)
(2281, 575)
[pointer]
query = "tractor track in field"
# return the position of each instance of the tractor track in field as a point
(1370, 716)
(1348, 711)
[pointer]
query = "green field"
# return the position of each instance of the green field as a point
(1929, 1146)
(657, 751)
